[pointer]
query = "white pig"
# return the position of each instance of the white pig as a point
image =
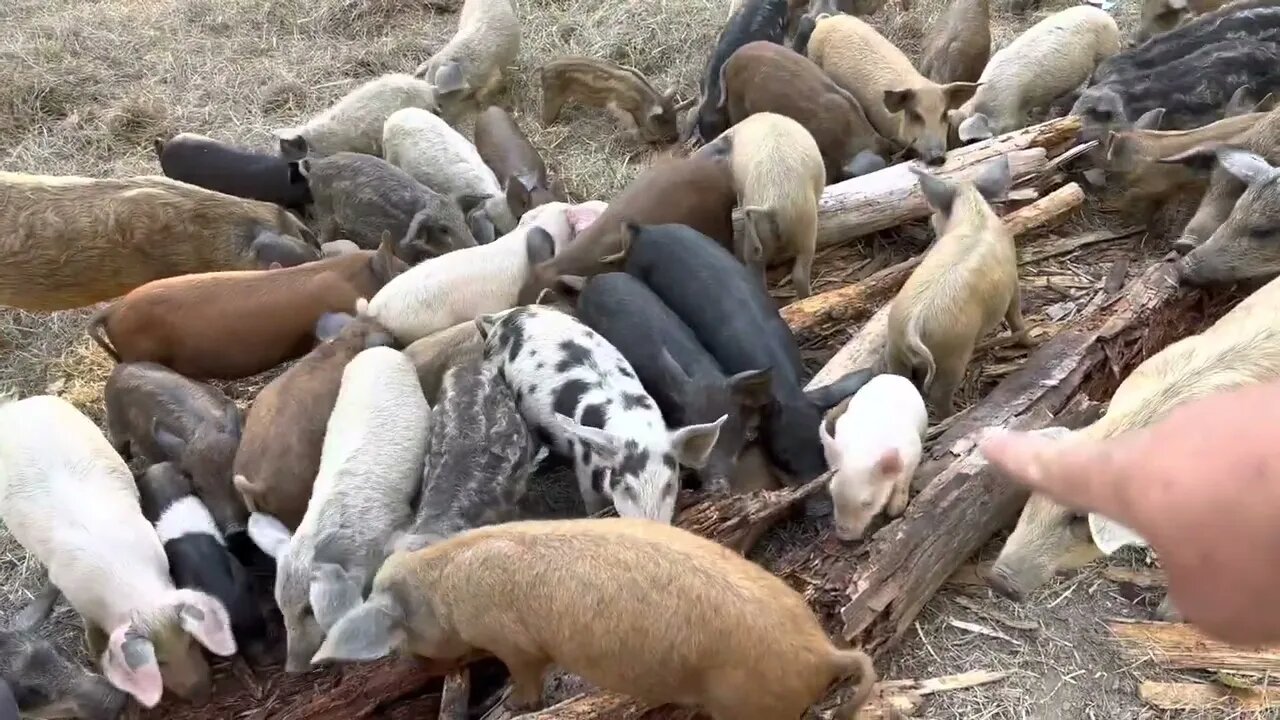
(70, 500)
(354, 123)
(874, 452)
(444, 160)
(370, 468)
(468, 71)
(465, 284)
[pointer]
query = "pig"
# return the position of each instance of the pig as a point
(1224, 189)
(750, 21)
(966, 283)
(766, 77)
(754, 472)
(215, 165)
(158, 414)
(515, 162)
(434, 355)
(370, 468)
(873, 451)
(283, 436)
(233, 325)
(479, 456)
(461, 286)
(733, 317)
(647, 114)
(436, 155)
(71, 502)
(1160, 16)
(587, 404)
(696, 191)
(354, 123)
(73, 241)
(1241, 248)
(753, 643)
(958, 43)
(470, 69)
(1049, 59)
(779, 176)
(901, 104)
(41, 681)
(682, 378)
(362, 197)
(198, 555)
(1241, 348)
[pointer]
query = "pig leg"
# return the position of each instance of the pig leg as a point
(800, 275)
(526, 680)
(901, 496)
(551, 104)
(1017, 324)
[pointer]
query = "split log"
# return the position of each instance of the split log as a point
(455, 696)
(1203, 696)
(364, 688)
(1181, 647)
(864, 349)
(738, 521)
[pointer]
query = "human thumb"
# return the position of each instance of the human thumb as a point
(1080, 473)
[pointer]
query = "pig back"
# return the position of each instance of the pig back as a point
(505, 149)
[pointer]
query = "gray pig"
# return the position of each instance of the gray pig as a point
(1245, 246)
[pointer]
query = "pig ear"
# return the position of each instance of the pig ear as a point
(1110, 535)
(864, 163)
(293, 148)
(569, 287)
(129, 662)
(994, 180)
(753, 388)
(517, 194)
(582, 216)
(1201, 157)
(1247, 167)
(205, 618)
(896, 101)
(384, 263)
(939, 193)
(828, 396)
(370, 631)
(334, 593)
(605, 444)
(471, 201)
(270, 535)
(449, 79)
(330, 324)
(889, 462)
(975, 127)
(959, 93)
(539, 246)
(1240, 102)
(1150, 120)
(486, 323)
(481, 227)
(693, 443)
(171, 445)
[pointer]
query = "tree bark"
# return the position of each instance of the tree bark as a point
(1180, 646)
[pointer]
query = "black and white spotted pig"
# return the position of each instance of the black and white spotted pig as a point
(198, 555)
(479, 456)
(584, 399)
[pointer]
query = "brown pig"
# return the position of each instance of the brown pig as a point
(1164, 15)
(681, 618)
(236, 324)
(967, 281)
(519, 167)
(696, 191)
(73, 241)
(958, 43)
(766, 77)
(779, 177)
(279, 453)
(1242, 348)
(647, 114)
(901, 104)
(434, 354)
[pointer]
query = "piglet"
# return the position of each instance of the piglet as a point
(436, 354)
(471, 67)
(874, 451)
(581, 394)
(198, 554)
(647, 114)
(519, 167)
(215, 165)
(354, 123)
(632, 606)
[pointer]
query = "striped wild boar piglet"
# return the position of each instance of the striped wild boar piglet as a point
(469, 71)
(436, 155)
(754, 646)
(648, 115)
(283, 434)
(354, 123)
(479, 456)
(437, 353)
(677, 372)
(160, 415)
(778, 175)
(766, 77)
(199, 558)
(361, 197)
(958, 43)
(69, 499)
(233, 325)
(1246, 246)
(873, 440)
(215, 165)
(73, 241)
(901, 104)
(966, 283)
(730, 313)
(370, 470)
(1048, 60)
(515, 161)
(462, 286)
(696, 191)
(750, 21)
(585, 401)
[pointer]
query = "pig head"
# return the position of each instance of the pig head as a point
(1246, 246)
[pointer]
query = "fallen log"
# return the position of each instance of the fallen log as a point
(1225, 701)
(1180, 646)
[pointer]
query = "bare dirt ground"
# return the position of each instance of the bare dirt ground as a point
(86, 85)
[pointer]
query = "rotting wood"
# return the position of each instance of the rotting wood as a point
(455, 696)
(1069, 245)
(1204, 696)
(363, 688)
(1182, 647)
(1142, 577)
(738, 521)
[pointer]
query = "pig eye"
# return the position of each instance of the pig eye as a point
(1263, 233)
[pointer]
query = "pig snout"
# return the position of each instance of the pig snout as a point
(1001, 581)
(1184, 245)
(933, 152)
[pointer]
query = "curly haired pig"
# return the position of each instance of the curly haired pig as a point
(468, 71)
(354, 123)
